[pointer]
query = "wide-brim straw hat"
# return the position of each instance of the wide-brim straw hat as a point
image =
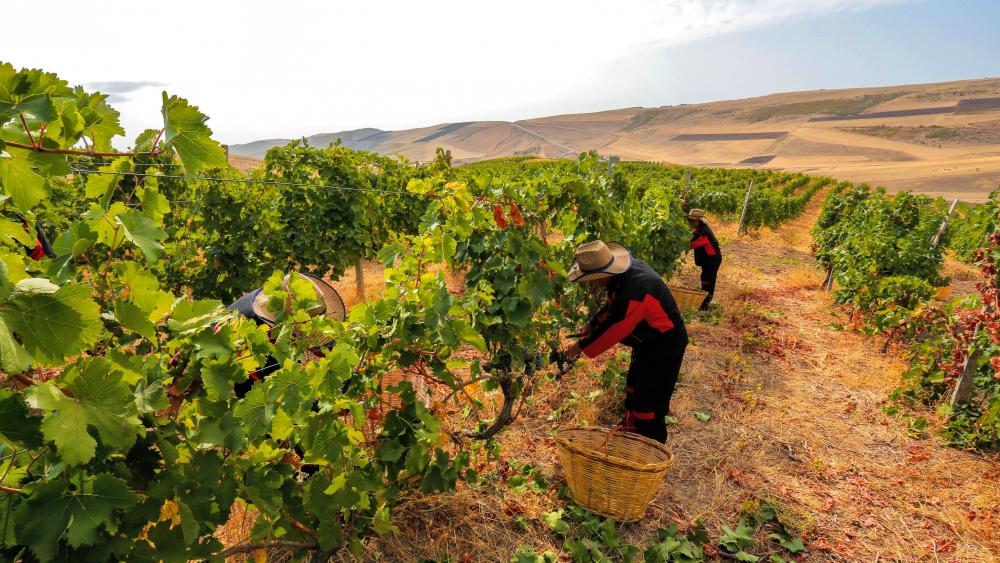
(330, 303)
(597, 259)
(696, 215)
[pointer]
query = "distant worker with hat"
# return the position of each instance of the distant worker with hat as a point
(640, 313)
(253, 305)
(707, 253)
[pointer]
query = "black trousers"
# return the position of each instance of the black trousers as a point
(709, 273)
(650, 383)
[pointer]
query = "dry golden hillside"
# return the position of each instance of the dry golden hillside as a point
(941, 139)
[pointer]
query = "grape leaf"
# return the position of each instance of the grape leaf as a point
(101, 121)
(135, 319)
(13, 357)
(20, 182)
(149, 397)
(52, 509)
(193, 315)
(103, 222)
(100, 185)
(52, 326)
(219, 378)
(154, 204)
(16, 427)
(185, 130)
(97, 398)
(255, 411)
(142, 232)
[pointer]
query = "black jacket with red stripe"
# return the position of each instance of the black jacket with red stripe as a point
(706, 247)
(640, 311)
(42, 248)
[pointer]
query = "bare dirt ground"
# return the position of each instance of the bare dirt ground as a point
(796, 404)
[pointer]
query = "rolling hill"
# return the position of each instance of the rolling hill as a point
(941, 139)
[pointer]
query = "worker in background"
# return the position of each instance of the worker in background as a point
(42, 248)
(707, 253)
(640, 313)
(253, 305)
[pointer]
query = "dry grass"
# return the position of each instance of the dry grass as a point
(797, 420)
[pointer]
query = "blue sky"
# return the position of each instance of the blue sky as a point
(910, 42)
(262, 69)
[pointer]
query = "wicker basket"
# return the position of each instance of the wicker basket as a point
(687, 298)
(612, 473)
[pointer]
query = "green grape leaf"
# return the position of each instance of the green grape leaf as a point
(281, 426)
(194, 315)
(149, 397)
(101, 121)
(71, 123)
(212, 343)
(39, 106)
(101, 185)
(142, 232)
(49, 164)
(219, 378)
(97, 397)
(735, 540)
(20, 182)
(13, 357)
(185, 130)
(154, 204)
(390, 451)
(189, 524)
(255, 411)
(52, 509)
(103, 222)
(53, 326)
(143, 287)
(793, 545)
(135, 319)
(16, 427)
(7, 536)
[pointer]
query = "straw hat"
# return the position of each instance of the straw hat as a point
(696, 215)
(331, 305)
(595, 260)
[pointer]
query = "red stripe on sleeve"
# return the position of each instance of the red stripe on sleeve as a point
(655, 315)
(644, 415)
(616, 332)
(703, 241)
(37, 252)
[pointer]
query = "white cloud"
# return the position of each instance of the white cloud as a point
(263, 69)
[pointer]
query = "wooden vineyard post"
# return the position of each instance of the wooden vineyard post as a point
(359, 279)
(944, 224)
(612, 161)
(828, 282)
(687, 177)
(963, 389)
(746, 207)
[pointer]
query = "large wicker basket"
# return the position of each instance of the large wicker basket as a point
(687, 298)
(613, 473)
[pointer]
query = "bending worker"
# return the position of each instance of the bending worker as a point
(640, 313)
(707, 253)
(253, 306)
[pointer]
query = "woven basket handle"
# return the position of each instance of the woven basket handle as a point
(607, 439)
(288, 295)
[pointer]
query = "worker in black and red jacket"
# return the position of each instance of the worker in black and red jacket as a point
(707, 253)
(42, 248)
(640, 313)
